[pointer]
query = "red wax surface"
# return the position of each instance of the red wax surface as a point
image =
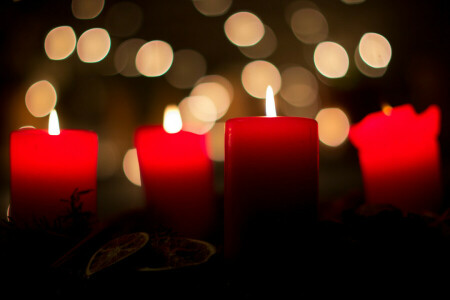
(271, 179)
(400, 158)
(177, 176)
(47, 168)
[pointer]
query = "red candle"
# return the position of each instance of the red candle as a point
(176, 174)
(47, 168)
(271, 179)
(399, 157)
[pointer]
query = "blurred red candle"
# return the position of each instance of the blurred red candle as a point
(399, 157)
(177, 176)
(46, 167)
(271, 180)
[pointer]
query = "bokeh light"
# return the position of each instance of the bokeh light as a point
(60, 42)
(191, 122)
(217, 95)
(366, 69)
(309, 25)
(188, 66)
(216, 142)
(220, 80)
(244, 29)
(299, 86)
(124, 19)
(375, 50)
(212, 8)
(125, 57)
(87, 9)
(40, 98)
(257, 75)
(93, 45)
(331, 59)
(131, 167)
(333, 126)
(154, 58)
(264, 48)
(350, 2)
(203, 108)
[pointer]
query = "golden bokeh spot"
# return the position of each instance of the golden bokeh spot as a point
(334, 126)
(60, 42)
(191, 122)
(154, 58)
(216, 142)
(366, 69)
(212, 8)
(299, 86)
(131, 167)
(331, 59)
(40, 98)
(264, 48)
(259, 74)
(125, 57)
(244, 29)
(375, 50)
(87, 9)
(93, 45)
(309, 25)
(217, 94)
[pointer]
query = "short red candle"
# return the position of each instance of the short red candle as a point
(177, 176)
(399, 157)
(271, 179)
(47, 168)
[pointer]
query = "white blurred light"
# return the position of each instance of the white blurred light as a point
(93, 45)
(154, 58)
(257, 75)
(331, 59)
(333, 126)
(131, 167)
(40, 98)
(212, 8)
(218, 96)
(375, 50)
(244, 29)
(60, 42)
(264, 48)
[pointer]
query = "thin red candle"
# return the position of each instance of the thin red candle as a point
(46, 169)
(177, 177)
(399, 157)
(271, 180)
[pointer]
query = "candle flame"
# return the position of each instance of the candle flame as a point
(386, 108)
(270, 103)
(53, 123)
(172, 119)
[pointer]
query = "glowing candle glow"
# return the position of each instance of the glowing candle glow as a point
(271, 180)
(176, 175)
(48, 167)
(399, 157)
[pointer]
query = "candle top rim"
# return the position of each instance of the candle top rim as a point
(240, 119)
(33, 131)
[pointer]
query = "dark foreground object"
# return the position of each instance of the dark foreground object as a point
(360, 251)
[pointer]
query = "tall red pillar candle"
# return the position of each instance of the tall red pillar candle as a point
(271, 181)
(46, 170)
(399, 157)
(177, 176)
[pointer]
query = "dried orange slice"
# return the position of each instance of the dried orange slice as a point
(178, 252)
(116, 250)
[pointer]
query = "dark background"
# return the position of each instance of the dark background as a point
(114, 106)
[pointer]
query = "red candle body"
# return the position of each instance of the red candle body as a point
(399, 158)
(47, 168)
(177, 177)
(271, 180)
